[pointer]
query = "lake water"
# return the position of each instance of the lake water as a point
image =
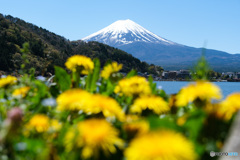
(171, 87)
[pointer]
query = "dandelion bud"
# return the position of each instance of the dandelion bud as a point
(15, 114)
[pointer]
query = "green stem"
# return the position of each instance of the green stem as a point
(76, 77)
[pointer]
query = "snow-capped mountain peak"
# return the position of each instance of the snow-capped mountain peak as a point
(124, 32)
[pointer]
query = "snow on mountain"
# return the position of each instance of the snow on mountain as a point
(124, 32)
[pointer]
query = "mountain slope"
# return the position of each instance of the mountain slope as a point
(48, 49)
(124, 32)
(182, 57)
(145, 45)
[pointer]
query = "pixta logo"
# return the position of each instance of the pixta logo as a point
(212, 153)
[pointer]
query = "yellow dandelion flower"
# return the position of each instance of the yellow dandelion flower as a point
(186, 95)
(108, 106)
(160, 145)
(133, 86)
(228, 107)
(9, 80)
(94, 135)
(38, 122)
(201, 90)
(74, 99)
(131, 117)
(110, 69)
(22, 92)
(70, 139)
(172, 101)
(55, 125)
(154, 103)
(136, 127)
(84, 63)
(182, 120)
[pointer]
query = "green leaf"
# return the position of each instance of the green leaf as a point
(201, 68)
(92, 78)
(152, 85)
(162, 123)
(62, 78)
(35, 148)
(131, 73)
(54, 91)
(95, 75)
(162, 94)
(109, 88)
(194, 123)
(88, 81)
(199, 148)
(41, 92)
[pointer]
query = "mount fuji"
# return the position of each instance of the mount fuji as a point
(147, 46)
(125, 32)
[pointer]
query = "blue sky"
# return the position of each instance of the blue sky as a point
(188, 22)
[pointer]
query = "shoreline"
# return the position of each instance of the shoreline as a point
(173, 80)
